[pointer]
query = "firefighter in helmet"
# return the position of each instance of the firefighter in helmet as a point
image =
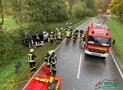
(59, 35)
(31, 59)
(75, 33)
(61, 30)
(66, 26)
(51, 37)
(56, 33)
(81, 35)
(68, 33)
(51, 60)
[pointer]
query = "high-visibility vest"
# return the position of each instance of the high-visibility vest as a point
(68, 33)
(47, 60)
(30, 58)
(53, 60)
(59, 35)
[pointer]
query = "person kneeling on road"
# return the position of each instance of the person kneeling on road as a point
(31, 60)
(50, 60)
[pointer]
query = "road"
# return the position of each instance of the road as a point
(82, 72)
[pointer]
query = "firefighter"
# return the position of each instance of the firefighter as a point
(81, 35)
(59, 35)
(75, 33)
(31, 59)
(56, 33)
(66, 26)
(71, 30)
(61, 30)
(71, 24)
(50, 60)
(51, 37)
(68, 33)
(27, 39)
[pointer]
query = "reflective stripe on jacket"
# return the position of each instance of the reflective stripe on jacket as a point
(31, 57)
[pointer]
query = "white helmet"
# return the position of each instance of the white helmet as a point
(31, 50)
(50, 52)
(56, 28)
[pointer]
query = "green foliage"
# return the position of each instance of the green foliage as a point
(12, 50)
(116, 29)
(78, 10)
(89, 3)
(33, 16)
(117, 7)
(45, 11)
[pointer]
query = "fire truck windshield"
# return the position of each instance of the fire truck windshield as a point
(99, 41)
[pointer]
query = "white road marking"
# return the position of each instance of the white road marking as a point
(116, 64)
(60, 44)
(79, 68)
(40, 67)
(44, 63)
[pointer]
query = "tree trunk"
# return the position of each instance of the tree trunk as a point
(46, 4)
(2, 16)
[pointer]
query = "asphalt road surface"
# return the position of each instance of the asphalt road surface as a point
(83, 72)
(80, 71)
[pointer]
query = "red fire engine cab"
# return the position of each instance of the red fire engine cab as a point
(97, 41)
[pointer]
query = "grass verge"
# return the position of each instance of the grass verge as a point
(116, 29)
(17, 52)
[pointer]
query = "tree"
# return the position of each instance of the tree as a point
(89, 3)
(117, 7)
(78, 10)
(2, 16)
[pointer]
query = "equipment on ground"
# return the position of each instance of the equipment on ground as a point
(44, 81)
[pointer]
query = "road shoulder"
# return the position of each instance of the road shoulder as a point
(120, 64)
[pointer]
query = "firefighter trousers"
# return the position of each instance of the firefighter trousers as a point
(53, 69)
(32, 65)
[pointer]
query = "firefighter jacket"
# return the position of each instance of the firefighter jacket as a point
(31, 57)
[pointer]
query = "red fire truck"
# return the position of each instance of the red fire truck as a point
(97, 41)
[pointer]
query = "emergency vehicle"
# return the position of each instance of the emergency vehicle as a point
(97, 41)
(43, 81)
(108, 11)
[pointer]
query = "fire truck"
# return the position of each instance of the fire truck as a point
(108, 11)
(97, 40)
